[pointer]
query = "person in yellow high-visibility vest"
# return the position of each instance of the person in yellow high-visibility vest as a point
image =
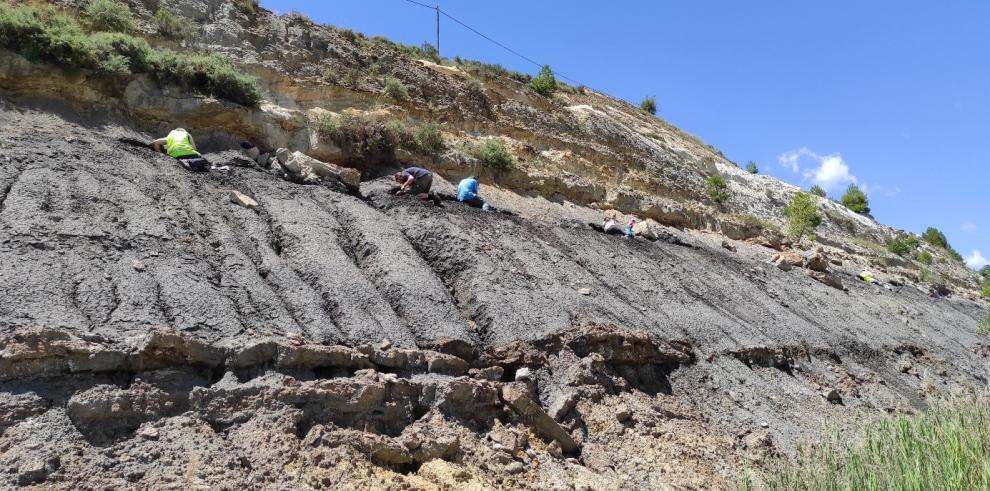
(179, 145)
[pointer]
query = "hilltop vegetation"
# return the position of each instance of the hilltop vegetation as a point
(49, 35)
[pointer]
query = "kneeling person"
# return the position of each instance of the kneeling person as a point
(179, 145)
(414, 180)
(467, 193)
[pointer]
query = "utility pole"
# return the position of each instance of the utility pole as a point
(438, 27)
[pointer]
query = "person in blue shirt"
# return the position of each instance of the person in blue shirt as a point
(467, 193)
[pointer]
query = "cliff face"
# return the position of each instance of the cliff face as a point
(157, 334)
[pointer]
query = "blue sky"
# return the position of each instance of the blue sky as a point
(892, 95)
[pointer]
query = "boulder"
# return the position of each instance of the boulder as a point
(517, 397)
(648, 229)
(305, 166)
(446, 364)
(817, 261)
(493, 373)
(827, 279)
(788, 258)
(239, 198)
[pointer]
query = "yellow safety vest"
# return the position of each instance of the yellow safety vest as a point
(178, 144)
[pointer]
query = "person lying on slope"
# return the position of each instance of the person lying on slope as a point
(179, 145)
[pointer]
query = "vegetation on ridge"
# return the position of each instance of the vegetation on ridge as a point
(46, 34)
(936, 238)
(649, 105)
(855, 199)
(545, 83)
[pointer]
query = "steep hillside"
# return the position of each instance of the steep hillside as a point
(157, 334)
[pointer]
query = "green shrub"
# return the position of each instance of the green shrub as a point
(493, 154)
(925, 257)
(649, 105)
(818, 191)
(110, 15)
(802, 215)
(247, 7)
(395, 89)
(212, 75)
(945, 448)
(348, 34)
(45, 35)
(925, 275)
(330, 76)
(326, 126)
(985, 274)
(717, 188)
(544, 84)
(361, 136)
(985, 291)
(752, 168)
(898, 246)
(984, 326)
(429, 139)
(935, 237)
(173, 26)
(855, 199)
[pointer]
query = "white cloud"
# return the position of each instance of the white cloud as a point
(881, 190)
(976, 260)
(831, 173)
(969, 228)
(792, 159)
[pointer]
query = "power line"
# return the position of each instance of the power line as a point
(493, 41)
(421, 4)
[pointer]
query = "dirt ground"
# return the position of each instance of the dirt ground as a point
(156, 335)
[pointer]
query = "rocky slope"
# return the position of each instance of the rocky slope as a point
(158, 334)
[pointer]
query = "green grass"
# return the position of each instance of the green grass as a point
(945, 448)
(926, 258)
(985, 291)
(983, 327)
(363, 137)
(247, 7)
(173, 26)
(48, 35)
(110, 15)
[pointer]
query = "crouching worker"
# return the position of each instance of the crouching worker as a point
(414, 180)
(179, 145)
(630, 231)
(467, 193)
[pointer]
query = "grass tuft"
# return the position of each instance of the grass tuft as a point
(944, 448)
(173, 26)
(110, 15)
